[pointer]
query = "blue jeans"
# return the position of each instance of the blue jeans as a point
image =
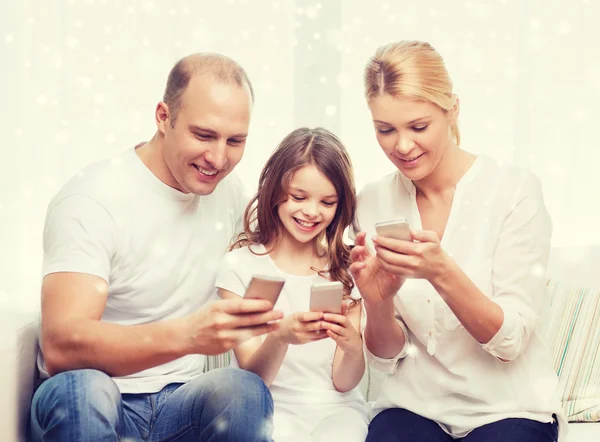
(85, 405)
(399, 425)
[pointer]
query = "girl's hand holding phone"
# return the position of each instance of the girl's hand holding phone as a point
(301, 328)
(340, 329)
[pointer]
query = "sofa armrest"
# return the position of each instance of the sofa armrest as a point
(19, 347)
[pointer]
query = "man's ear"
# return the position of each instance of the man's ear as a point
(454, 110)
(162, 116)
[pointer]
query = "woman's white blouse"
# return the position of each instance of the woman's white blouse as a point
(498, 232)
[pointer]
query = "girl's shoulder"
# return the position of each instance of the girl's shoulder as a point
(243, 255)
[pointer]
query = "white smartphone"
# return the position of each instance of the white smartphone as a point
(264, 287)
(327, 297)
(395, 228)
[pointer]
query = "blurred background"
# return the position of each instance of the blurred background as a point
(80, 80)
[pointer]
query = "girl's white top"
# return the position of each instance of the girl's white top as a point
(305, 376)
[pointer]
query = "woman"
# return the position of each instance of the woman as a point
(454, 315)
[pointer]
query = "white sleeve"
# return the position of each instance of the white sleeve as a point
(230, 274)
(79, 236)
(390, 365)
(519, 269)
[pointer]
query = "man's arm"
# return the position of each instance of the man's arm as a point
(74, 337)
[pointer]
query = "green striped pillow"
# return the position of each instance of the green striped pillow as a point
(217, 361)
(574, 340)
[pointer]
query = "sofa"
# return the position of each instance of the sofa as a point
(574, 266)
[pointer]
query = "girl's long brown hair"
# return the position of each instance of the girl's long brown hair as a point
(300, 148)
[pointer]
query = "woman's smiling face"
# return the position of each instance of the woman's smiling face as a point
(414, 134)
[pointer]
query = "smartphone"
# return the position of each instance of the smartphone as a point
(327, 297)
(264, 287)
(395, 228)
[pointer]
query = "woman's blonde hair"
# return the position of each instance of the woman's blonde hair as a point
(412, 69)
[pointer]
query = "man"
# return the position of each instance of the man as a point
(130, 250)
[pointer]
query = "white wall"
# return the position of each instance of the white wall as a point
(528, 76)
(80, 80)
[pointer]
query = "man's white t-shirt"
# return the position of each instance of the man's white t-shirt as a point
(157, 248)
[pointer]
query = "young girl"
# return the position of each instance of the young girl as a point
(293, 228)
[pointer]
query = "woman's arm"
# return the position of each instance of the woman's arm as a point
(503, 321)
(478, 314)
(384, 336)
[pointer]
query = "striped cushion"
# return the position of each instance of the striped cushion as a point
(574, 340)
(218, 361)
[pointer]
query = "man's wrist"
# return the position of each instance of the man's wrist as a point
(179, 334)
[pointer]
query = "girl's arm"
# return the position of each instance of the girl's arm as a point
(264, 358)
(349, 360)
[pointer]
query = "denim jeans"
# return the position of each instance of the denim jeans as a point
(399, 425)
(85, 405)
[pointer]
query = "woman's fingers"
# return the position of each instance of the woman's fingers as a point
(359, 253)
(360, 239)
(395, 245)
(396, 259)
(356, 267)
(393, 269)
(424, 236)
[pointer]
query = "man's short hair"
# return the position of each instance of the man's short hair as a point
(223, 70)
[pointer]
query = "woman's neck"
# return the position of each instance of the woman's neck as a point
(443, 179)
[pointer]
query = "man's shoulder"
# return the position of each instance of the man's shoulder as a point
(100, 181)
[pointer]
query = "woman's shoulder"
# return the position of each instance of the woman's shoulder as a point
(508, 177)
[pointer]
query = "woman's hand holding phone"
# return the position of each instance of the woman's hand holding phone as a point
(376, 284)
(422, 258)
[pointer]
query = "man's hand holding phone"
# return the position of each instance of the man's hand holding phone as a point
(221, 325)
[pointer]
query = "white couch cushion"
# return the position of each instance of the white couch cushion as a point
(584, 432)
